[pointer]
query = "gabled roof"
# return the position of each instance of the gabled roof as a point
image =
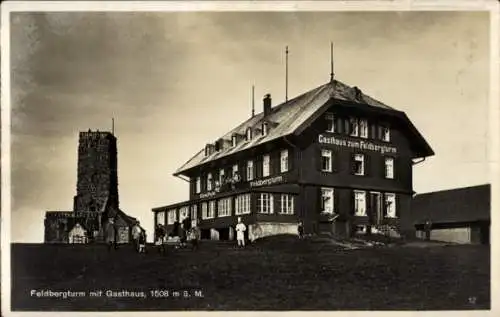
(465, 204)
(292, 116)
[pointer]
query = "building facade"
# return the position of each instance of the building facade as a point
(333, 158)
(96, 199)
(460, 215)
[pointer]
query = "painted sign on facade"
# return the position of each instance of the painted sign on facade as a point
(362, 145)
(267, 181)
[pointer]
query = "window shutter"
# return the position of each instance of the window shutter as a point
(339, 124)
(291, 159)
(275, 161)
(353, 198)
(335, 161)
(368, 164)
(336, 200)
(384, 204)
(396, 201)
(353, 165)
(319, 197)
(259, 167)
(347, 126)
(318, 159)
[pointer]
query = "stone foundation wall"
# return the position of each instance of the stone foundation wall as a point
(265, 229)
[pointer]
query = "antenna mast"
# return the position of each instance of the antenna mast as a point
(286, 73)
(253, 101)
(331, 62)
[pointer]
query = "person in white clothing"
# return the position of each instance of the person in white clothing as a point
(240, 232)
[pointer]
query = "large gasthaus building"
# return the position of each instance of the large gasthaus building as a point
(334, 158)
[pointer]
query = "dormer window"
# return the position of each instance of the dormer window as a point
(233, 140)
(218, 146)
(249, 134)
(264, 128)
(330, 122)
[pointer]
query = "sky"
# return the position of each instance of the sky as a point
(176, 81)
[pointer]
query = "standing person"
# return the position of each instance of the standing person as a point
(136, 234)
(186, 228)
(142, 242)
(160, 237)
(111, 234)
(240, 233)
(195, 236)
(300, 229)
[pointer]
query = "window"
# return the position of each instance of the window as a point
(265, 204)
(249, 134)
(172, 216)
(265, 165)
(183, 213)
(209, 181)
(385, 133)
(211, 209)
(326, 160)
(204, 210)
(363, 126)
(327, 200)
(390, 205)
(160, 217)
(249, 170)
(264, 128)
(359, 203)
(359, 164)
(224, 207)
(194, 212)
(389, 167)
(330, 122)
(221, 176)
(242, 204)
(353, 127)
(198, 185)
(233, 140)
(235, 170)
(284, 161)
(286, 204)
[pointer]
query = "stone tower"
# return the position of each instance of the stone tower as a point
(97, 176)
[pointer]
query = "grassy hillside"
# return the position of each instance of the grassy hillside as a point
(275, 274)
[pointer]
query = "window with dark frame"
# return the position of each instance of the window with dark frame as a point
(330, 122)
(358, 164)
(326, 160)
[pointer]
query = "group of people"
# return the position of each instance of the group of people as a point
(181, 234)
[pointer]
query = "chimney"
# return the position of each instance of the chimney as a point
(267, 104)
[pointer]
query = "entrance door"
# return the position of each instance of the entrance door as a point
(376, 208)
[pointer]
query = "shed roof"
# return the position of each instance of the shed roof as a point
(467, 204)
